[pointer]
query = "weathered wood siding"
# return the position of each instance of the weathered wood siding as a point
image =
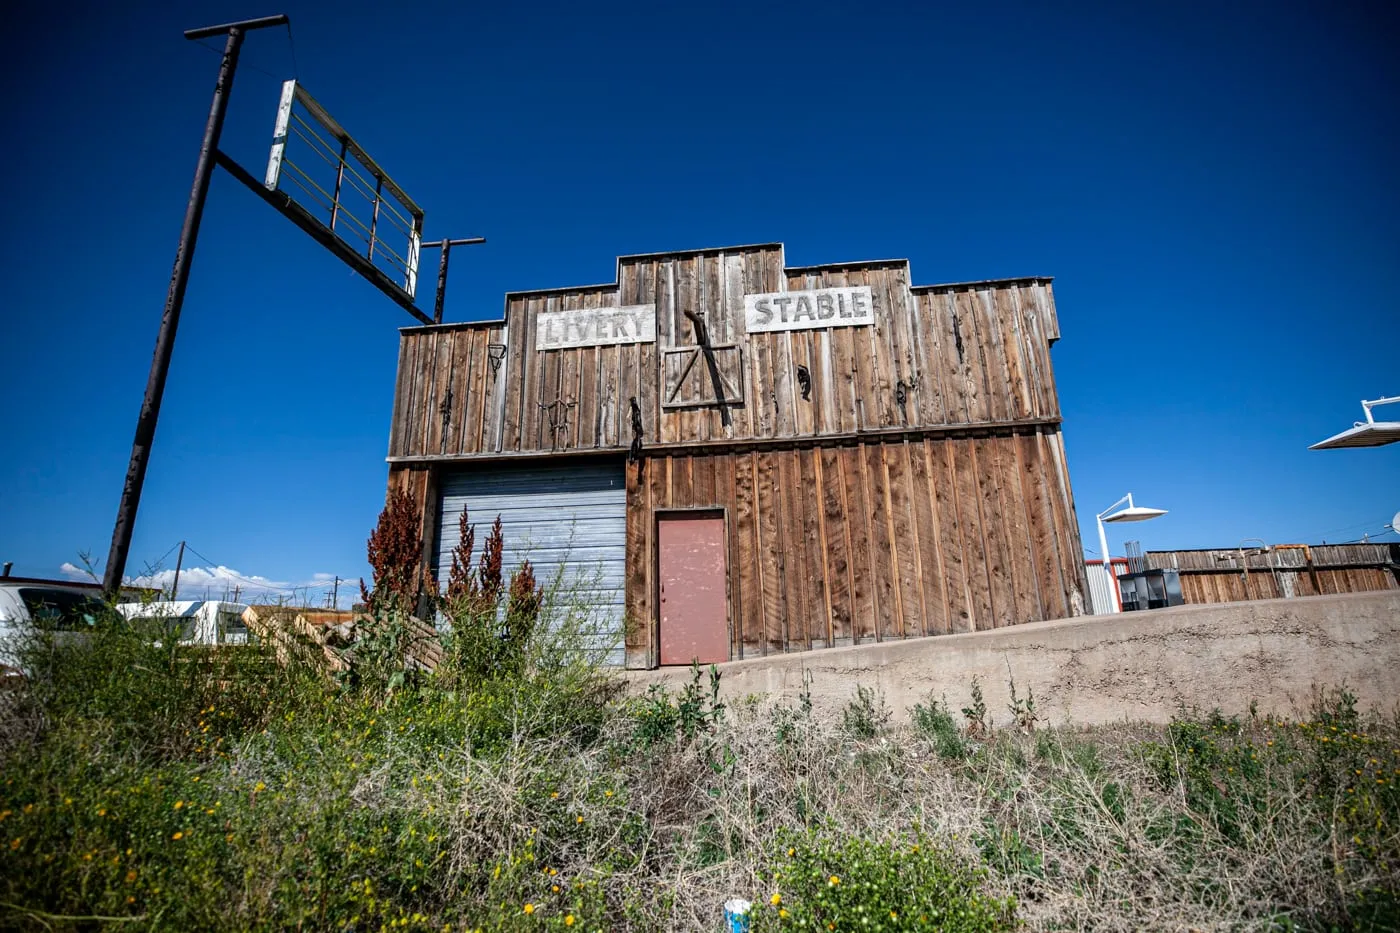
(1219, 576)
(838, 544)
(917, 486)
(975, 353)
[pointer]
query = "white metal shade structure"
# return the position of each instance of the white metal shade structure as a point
(1132, 513)
(1368, 433)
(568, 519)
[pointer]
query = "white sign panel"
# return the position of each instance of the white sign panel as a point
(807, 310)
(595, 327)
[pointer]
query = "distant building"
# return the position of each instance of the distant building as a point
(738, 458)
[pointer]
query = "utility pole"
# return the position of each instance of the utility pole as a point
(335, 594)
(175, 297)
(175, 587)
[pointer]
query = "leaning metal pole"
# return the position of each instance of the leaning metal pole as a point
(175, 297)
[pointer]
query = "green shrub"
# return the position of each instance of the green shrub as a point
(867, 714)
(824, 881)
(935, 722)
(661, 717)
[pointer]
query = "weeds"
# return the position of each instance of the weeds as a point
(935, 723)
(867, 714)
(177, 788)
(1022, 709)
(976, 713)
(825, 881)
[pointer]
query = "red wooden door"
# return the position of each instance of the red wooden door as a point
(694, 617)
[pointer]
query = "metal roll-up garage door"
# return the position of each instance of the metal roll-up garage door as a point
(569, 519)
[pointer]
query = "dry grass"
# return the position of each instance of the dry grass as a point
(443, 808)
(1079, 826)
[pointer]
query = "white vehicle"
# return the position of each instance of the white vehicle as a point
(200, 621)
(64, 609)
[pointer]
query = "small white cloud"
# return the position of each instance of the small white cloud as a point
(226, 583)
(74, 572)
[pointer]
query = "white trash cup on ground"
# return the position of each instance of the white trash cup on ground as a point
(736, 915)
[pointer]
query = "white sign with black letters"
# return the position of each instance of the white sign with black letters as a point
(595, 327)
(806, 310)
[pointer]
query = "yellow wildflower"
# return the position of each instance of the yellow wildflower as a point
(131, 876)
(179, 804)
(178, 836)
(569, 920)
(782, 912)
(529, 908)
(776, 899)
(833, 881)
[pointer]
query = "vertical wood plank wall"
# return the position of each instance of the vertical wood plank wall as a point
(976, 353)
(811, 569)
(922, 487)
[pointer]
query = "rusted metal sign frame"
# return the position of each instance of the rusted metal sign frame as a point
(322, 234)
(292, 94)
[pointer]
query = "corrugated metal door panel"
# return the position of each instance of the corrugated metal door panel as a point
(569, 519)
(1101, 588)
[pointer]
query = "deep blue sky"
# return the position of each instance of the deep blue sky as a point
(1212, 185)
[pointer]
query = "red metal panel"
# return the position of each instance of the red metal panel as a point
(694, 617)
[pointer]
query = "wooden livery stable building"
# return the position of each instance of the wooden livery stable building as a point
(739, 458)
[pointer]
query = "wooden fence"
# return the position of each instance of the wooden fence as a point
(1285, 570)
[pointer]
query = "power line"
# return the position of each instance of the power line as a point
(265, 585)
(161, 561)
(242, 64)
(238, 576)
(296, 72)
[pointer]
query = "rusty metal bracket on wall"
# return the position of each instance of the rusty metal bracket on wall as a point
(558, 413)
(634, 453)
(445, 409)
(804, 380)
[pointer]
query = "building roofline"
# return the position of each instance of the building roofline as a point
(745, 247)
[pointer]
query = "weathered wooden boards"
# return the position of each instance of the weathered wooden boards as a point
(887, 457)
(929, 355)
(849, 544)
(1218, 576)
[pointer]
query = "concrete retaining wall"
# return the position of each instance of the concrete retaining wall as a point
(1095, 669)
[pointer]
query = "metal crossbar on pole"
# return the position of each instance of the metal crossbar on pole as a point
(446, 247)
